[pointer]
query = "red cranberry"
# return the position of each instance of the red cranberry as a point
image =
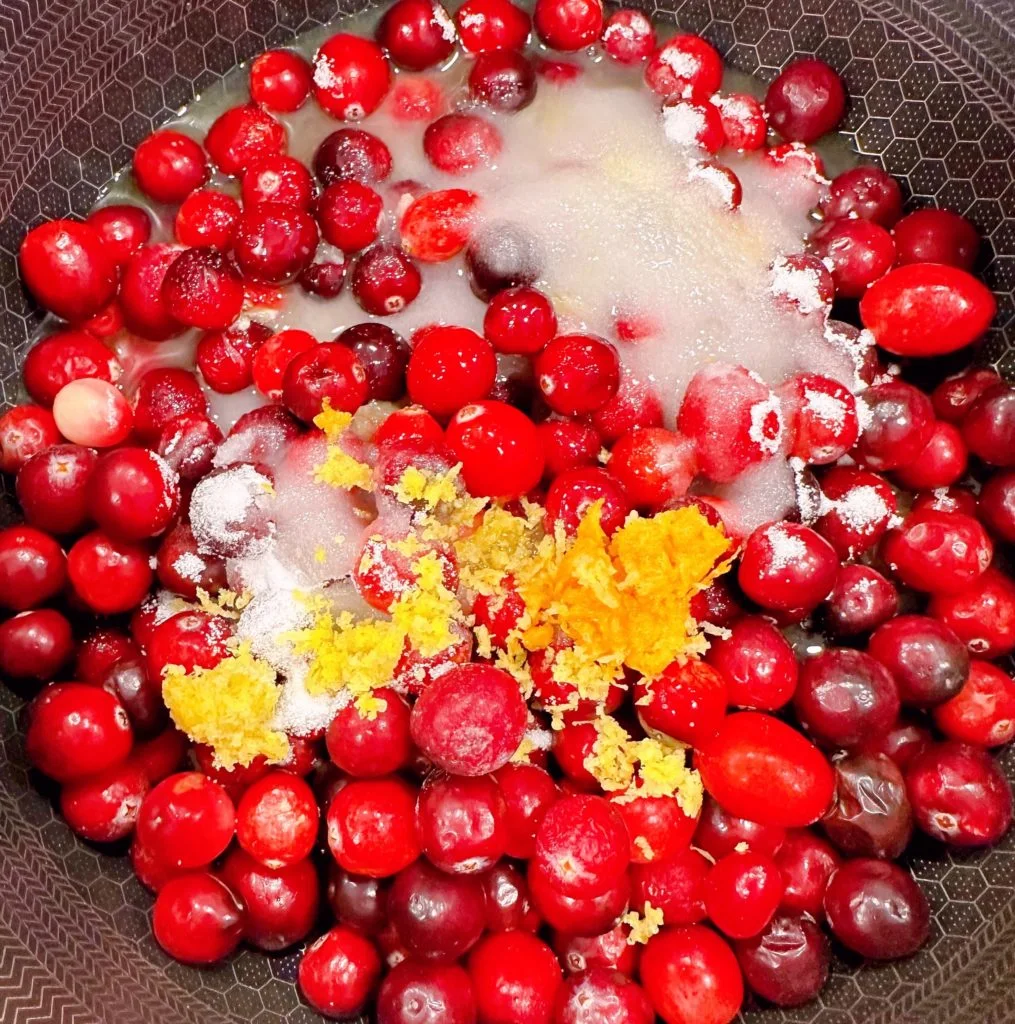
(491, 25)
(685, 66)
(742, 892)
(422, 993)
(806, 101)
(461, 823)
(996, 507)
(369, 747)
(123, 228)
(567, 444)
(207, 218)
(278, 179)
(280, 80)
(928, 661)
(989, 426)
(877, 909)
(861, 507)
(339, 972)
(901, 743)
(528, 791)
(787, 963)
(900, 424)
(25, 431)
(786, 566)
(280, 905)
(103, 808)
(383, 355)
(327, 374)
(757, 664)
(68, 269)
(33, 568)
(163, 394)
(937, 236)
(188, 818)
(141, 696)
(806, 862)
(515, 977)
(145, 311)
(324, 278)
(99, 651)
(349, 213)
(503, 80)
(416, 33)
(197, 919)
(438, 916)
(983, 711)
(272, 358)
(437, 225)
(697, 124)
(946, 499)
(461, 143)
(371, 827)
(242, 136)
(162, 755)
(611, 949)
(859, 602)
(168, 166)
(866, 193)
(225, 358)
(719, 833)
(35, 644)
(190, 639)
(577, 373)
(743, 120)
(519, 321)
(385, 280)
(357, 901)
(110, 576)
(982, 615)
(133, 494)
(676, 886)
(941, 463)
(52, 485)
(582, 915)
(860, 252)
(351, 76)
(653, 465)
(275, 242)
(568, 25)
(450, 367)
(821, 417)
(276, 820)
(600, 995)
(938, 552)
(508, 906)
(574, 492)
(75, 730)
(629, 36)
(954, 395)
(187, 444)
(685, 702)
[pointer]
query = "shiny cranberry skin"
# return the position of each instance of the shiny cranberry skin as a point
(861, 600)
(691, 974)
(611, 950)
(806, 101)
(351, 76)
(422, 993)
(498, 447)
(515, 977)
(502, 255)
(33, 568)
(568, 25)
(162, 755)
(492, 25)
(52, 485)
(941, 463)
(278, 179)
(528, 791)
(109, 575)
(383, 355)
(507, 900)
(629, 36)
(461, 143)
(901, 743)
(188, 818)
(370, 747)
(502, 79)
(68, 269)
(997, 505)
(276, 820)
(145, 311)
(242, 136)
(577, 374)
(197, 919)
(99, 651)
(280, 80)
(356, 900)
(937, 236)
(983, 711)
(602, 996)
(168, 166)
(788, 962)
(438, 916)
(339, 972)
(141, 696)
(349, 213)
(860, 252)
(900, 425)
(757, 663)
(877, 909)
(754, 752)
(352, 154)
(327, 374)
(207, 218)
(982, 615)
(225, 358)
(371, 827)
(461, 822)
(946, 499)
(954, 395)
(870, 815)
(938, 552)
(162, 395)
(275, 242)
(860, 506)
(567, 444)
(786, 566)
(742, 892)
(989, 426)
(133, 494)
(676, 886)
(35, 644)
(103, 808)
(325, 278)
(385, 280)
(866, 193)
(123, 228)
(806, 863)
(190, 639)
(844, 696)
(928, 661)
(685, 702)
(416, 33)
(470, 720)
(654, 465)
(25, 430)
(573, 492)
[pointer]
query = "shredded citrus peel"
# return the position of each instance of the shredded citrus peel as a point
(644, 925)
(339, 469)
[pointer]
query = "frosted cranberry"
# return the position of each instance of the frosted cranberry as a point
(471, 720)
(99, 651)
(450, 367)
(870, 815)
(461, 143)
(103, 808)
(685, 66)
(786, 566)
(806, 863)
(368, 747)
(339, 973)
(145, 311)
(754, 752)
(187, 445)
(954, 395)
(806, 101)
(803, 284)
(788, 962)
(123, 229)
(351, 76)
(422, 993)
(685, 702)
(25, 430)
(743, 120)
(168, 166)
(501, 255)
(276, 820)
(503, 80)
(579, 953)
(33, 568)
(601, 996)
(132, 494)
(577, 373)
(280, 906)
(574, 492)
(351, 154)
(491, 25)
(461, 823)
(385, 280)
(635, 404)
(35, 644)
(357, 901)
(190, 639)
(946, 499)
(75, 730)
(231, 511)
(742, 892)
(568, 25)
(242, 136)
(866, 193)
(983, 711)
(797, 159)
(928, 661)
(51, 488)
(653, 465)
(141, 696)
(438, 916)
(860, 252)
(92, 412)
(859, 602)
(197, 919)
(937, 236)
(207, 218)
(371, 827)
(900, 424)
(629, 36)
(989, 426)
(695, 124)
(262, 435)
(861, 506)
(326, 374)
(275, 242)
(515, 977)
(416, 33)
(938, 552)
(163, 394)
(877, 909)
(280, 80)
(110, 576)
(844, 696)
(691, 974)
(757, 664)
(188, 818)
(941, 463)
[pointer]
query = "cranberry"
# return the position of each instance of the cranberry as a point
(328, 374)
(145, 311)
(959, 795)
(357, 901)
(635, 404)
(416, 33)
(937, 236)
(188, 818)
(946, 499)
(197, 919)
(351, 154)
(163, 394)
(577, 373)
(676, 886)
(901, 422)
(225, 358)
(349, 213)
(52, 485)
(492, 24)
(938, 552)
(568, 25)
(955, 394)
(461, 143)
(339, 972)
(860, 506)
(231, 512)
(276, 820)
(697, 124)
(503, 80)
(508, 906)
(33, 568)
(103, 808)
(806, 862)
(187, 444)
(743, 121)
(242, 136)
(141, 696)
(351, 76)
(629, 36)
(274, 355)
(470, 720)
(786, 566)
(324, 278)
(371, 827)
(423, 993)
(68, 268)
(133, 494)
(383, 355)
(35, 644)
(367, 747)
(866, 193)
(280, 80)
(385, 280)
(168, 166)
(582, 915)
(611, 949)
(787, 963)
(983, 710)
(876, 909)
(92, 412)
(207, 218)
(437, 225)
(601, 996)
(278, 179)
(806, 101)
(99, 651)
(25, 430)
(715, 604)
(742, 892)
(989, 426)
(684, 66)
(821, 417)
(574, 492)
(658, 827)
(996, 504)
(438, 916)
(860, 601)
(275, 242)
(928, 661)
(190, 639)
(901, 743)
(108, 575)
(162, 755)
(941, 463)
(123, 228)
(685, 702)
(691, 974)
(528, 791)
(654, 465)
(720, 833)
(567, 444)
(515, 977)
(860, 252)
(757, 664)
(451, 367)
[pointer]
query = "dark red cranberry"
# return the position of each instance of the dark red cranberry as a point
(610, 949)
(422, 993)
(503, 80)
(52, 488)
(900, 425)
(806, 101)
(501, 255)
(937, 236)
(384, 356)
(99, 651)
(242, 136)
(867, 192)
(788, 962)
(357, 901)
(928, 661)
(140, 695)
(507, 900)
(197, 919)
(33, 568)
(461, 823)
(385, 280)
(275, 243)
(989, 426)
(145, 311)
(261, 435)
(123, 228)
(806, 862)
(35, 644)
(352, 154)
(416, 33)
(207, 218)
(461, 143)
(280, 80)
(997, 505)
(860, 601)
(339, 973)
(860, 252)
(325, 277)
(163, 394)
(901, 743)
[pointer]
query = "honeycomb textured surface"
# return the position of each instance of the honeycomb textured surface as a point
(933, 96)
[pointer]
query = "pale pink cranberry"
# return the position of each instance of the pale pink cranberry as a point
(242, 136)
(575, 491)
(275, 243)
(349, 213)
(123, 229)
(416, 33)
(685, 66)
(351, 76)
(108, 575)
(503, 79)
(163, 394)
(133, 494)
(938, 552)
(568, 24)
(385, 280)
(629, 36)
(787, 567)
(92, 412)
(25, 430)
(63, 357)
(352, 154)
(145, 311)
(861, 506)
(51, 488)
(940, 464)
(208, 218)
(900, 423)
(328, 373)
(492, 25)
(203, 289)
(821, 417)
(280, 80)
(867, 192)
(806, 101)
(954, 395)
(169, 165)
(577, 373)
(860, 252)
(438, 225)
(989, 426)
(937, 236)
(461, 143)
(68, 269)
